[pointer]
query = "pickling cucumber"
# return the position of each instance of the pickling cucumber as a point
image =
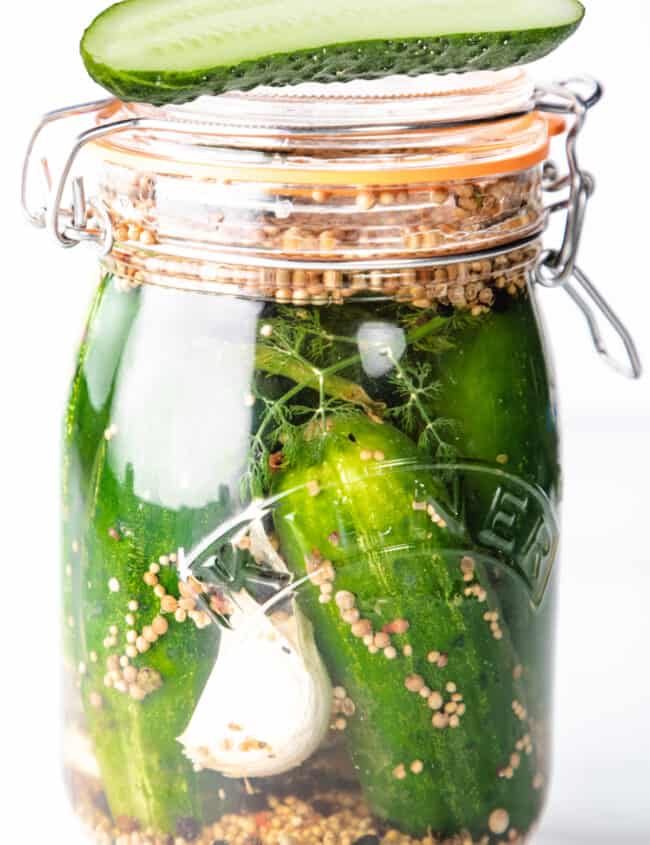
(145, 776)
(86, 420)
(496, 384)
(113, 534)
(163, 51)
(369, 506)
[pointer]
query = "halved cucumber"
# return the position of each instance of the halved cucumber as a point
(163, 51)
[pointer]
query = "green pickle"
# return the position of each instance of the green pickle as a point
(417, 757)
(379, 436)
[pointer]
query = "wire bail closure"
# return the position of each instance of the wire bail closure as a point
(558, 268)
(88, 220)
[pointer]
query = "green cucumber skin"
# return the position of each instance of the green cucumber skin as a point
(143, 771)
(496, 384)
(86, 420)
(335, 63)
(394, 560)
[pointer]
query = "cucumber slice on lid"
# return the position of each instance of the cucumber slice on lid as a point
(166, 51)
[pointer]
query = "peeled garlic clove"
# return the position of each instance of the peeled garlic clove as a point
(266, 707)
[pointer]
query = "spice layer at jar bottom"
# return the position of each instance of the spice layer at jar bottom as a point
(308, 582)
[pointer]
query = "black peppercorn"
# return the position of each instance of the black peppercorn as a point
(188, 828)
(323, 808)
(369, 839)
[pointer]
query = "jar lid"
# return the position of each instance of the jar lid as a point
(382, 132)
(424, 99)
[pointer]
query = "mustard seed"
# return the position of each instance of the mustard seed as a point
(160, 626)
(499, 821)
(365, 201)
(351, 616)
(435, 701)
(142, 645)
(414, 683)
(345, 600)
(399, 772)
(169, 604)
(440, 721)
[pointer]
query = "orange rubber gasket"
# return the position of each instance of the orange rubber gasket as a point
(290, 176)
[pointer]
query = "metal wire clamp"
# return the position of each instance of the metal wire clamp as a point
(558, 268)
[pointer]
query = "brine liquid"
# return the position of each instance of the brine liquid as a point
(367, 658)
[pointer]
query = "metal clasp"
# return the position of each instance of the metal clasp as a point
(558, 268)
(87, 220)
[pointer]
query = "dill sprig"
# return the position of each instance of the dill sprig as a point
(416, 415)
(435, 335)
(295, 346)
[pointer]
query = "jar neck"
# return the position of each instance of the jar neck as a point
(319, 243)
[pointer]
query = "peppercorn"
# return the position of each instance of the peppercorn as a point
(188, 828)
(323, 808)
(369, 839)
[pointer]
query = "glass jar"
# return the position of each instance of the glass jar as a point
(311, 480)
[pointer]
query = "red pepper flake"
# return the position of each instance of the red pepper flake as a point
(276, 461)
(263, 820)
(126, 824)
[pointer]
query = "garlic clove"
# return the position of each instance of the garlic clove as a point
(266, 706)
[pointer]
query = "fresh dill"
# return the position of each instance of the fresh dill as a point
(416, 415)
(305, 378)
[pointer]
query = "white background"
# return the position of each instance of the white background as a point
(601, 789)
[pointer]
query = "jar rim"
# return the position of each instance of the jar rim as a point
(426, 100)
(408, 130)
